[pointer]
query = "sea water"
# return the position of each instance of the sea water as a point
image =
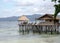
(9, 33)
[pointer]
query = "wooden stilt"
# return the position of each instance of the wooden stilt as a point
(46, 29)
(51, 29)
(33, 29)
(28, 28)
(38, 29)
(57, 29)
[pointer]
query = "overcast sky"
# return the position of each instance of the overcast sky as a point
(25, 7)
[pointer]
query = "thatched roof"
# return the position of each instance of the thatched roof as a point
(23, 18)
(48, 16)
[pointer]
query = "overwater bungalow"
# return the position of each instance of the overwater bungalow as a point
(23, 19)
(46, 26)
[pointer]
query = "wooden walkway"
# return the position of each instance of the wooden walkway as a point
(35, 28)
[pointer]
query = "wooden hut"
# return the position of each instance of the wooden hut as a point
(23, 19)
(48, 19)
(48, 23)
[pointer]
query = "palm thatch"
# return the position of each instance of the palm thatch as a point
(23, 18)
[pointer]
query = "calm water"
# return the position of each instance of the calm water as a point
(9, 33)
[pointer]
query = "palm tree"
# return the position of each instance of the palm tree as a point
(57, 8)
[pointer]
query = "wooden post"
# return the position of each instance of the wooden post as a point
(57, 29)
(46, 29)
(51, 29)
(33, 28)
(19, 29)
(28, 28)
(38, 28)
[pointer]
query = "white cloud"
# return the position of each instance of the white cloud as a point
(7, 1)
(24, 1)
(25, 7)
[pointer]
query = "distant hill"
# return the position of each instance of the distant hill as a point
(33, 17)
(15, 18)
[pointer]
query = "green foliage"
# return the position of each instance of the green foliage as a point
(54, 1)
(57, 10)
(59, 1)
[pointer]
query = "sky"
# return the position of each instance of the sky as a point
(25, 7)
